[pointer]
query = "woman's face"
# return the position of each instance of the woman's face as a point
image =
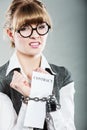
(30, 46)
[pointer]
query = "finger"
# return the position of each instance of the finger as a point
(29, 77)
(24, 90)
(18, 77)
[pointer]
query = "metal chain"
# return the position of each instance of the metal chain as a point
(37, 99)
(48, 100)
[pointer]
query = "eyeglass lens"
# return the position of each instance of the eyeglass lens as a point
(27, 30)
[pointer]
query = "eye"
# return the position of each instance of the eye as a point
(24, 28)
(42, 26)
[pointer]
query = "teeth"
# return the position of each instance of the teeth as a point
(34, 44)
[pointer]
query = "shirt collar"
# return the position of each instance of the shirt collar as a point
(45, 65)
(14, 63)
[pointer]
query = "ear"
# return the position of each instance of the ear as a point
(10, 34)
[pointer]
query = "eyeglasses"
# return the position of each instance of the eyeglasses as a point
(27, 30)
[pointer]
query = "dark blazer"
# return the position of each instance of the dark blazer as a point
(61, 79)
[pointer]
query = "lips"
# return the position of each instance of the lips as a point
(34, 44)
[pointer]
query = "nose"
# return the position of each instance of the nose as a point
(34, 33)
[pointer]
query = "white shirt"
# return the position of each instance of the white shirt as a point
(63, 119)
(8, 116)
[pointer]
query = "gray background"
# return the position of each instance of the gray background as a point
(66, 45)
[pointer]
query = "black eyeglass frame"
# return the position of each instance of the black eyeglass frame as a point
(18, 31)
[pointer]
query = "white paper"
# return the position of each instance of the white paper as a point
(41, 86)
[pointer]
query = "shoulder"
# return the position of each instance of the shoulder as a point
(3, 82)
(58, 69)
(62, 73)
(3, 69)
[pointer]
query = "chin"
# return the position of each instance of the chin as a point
(34, 54)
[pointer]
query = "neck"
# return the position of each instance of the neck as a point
(29, 63)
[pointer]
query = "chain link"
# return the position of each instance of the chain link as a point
(37, 99)
(50, 100)
(44, 99)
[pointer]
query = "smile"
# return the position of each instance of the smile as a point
(34, 44)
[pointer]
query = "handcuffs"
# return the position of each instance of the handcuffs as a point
(51, 102)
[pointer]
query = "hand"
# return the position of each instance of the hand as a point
(20, 83)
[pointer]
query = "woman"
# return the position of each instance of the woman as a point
(27, 25)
